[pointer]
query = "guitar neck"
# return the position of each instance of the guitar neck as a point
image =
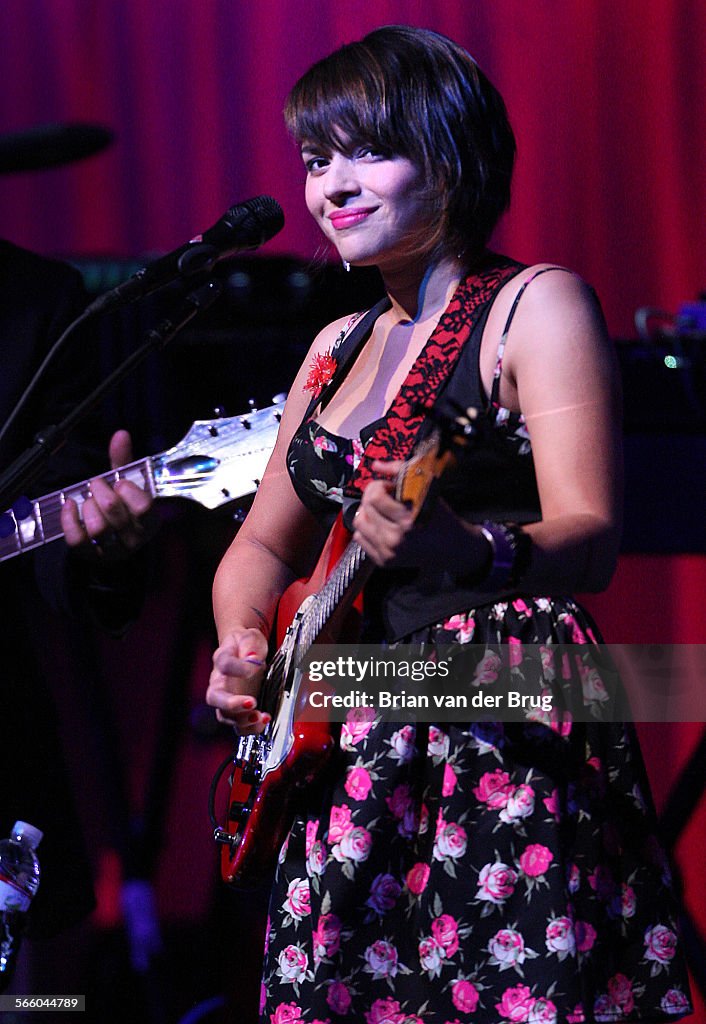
(43, 522)
(348, 576)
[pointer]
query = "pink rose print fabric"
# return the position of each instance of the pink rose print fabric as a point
(484, 873)
(472, 873)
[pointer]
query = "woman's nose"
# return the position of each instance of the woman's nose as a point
(341, 180)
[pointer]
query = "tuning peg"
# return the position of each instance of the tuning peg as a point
(219, 411)
(239, 516)
(280, 398)
(253, 404)
(22, 508)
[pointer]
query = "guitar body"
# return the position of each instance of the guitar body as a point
(262, 808)
(271, 770)
(347, 627)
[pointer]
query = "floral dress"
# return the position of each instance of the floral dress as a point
(484, 872)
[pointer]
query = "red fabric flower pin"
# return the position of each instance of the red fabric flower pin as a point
(322, 368)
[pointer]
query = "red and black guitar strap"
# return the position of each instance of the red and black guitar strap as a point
(397, 434)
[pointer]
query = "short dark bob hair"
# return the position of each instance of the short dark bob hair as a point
(414, 93)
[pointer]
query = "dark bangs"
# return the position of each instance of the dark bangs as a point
(344, 100)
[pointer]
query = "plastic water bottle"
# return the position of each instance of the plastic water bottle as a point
(19, 881)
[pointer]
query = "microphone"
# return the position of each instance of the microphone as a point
(245, 226)
(50, 145)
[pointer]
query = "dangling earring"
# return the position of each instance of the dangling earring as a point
(346, 266)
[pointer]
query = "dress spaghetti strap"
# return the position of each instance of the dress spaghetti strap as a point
(506, 329)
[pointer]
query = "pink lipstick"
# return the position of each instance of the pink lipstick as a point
(348, 218)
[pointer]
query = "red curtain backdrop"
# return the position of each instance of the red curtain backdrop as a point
(607, 100)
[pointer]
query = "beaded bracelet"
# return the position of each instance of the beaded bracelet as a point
(511, 551)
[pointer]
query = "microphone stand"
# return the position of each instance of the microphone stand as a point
(27, 466)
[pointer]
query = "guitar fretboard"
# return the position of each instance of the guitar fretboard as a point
(352, 567)
(346, 572)
(43, 523)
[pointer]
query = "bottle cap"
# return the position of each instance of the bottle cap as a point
(31, 834)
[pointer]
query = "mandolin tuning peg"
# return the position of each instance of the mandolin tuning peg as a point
(239, 516)
(219, 411)
(252, 403)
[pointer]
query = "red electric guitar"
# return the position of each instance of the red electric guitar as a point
(269, 770)
(218, 461)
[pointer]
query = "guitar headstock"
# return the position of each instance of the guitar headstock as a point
(219, 460)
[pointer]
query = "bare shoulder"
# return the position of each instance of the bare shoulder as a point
(329, 335)
(299, 395)
(559, 353)
(278, 519)
(323, 343)
(553, 323)
(552, 294)
(557, 317)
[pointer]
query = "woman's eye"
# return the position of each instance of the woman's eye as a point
(315, 163)
(371, 152)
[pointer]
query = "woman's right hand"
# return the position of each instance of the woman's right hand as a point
(238, 670)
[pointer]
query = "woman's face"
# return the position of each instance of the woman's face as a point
(371, 206)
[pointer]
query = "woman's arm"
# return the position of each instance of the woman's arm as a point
(563, 369)
(279, 542)
(560, 370)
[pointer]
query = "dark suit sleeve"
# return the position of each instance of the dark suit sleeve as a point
(40, 298)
